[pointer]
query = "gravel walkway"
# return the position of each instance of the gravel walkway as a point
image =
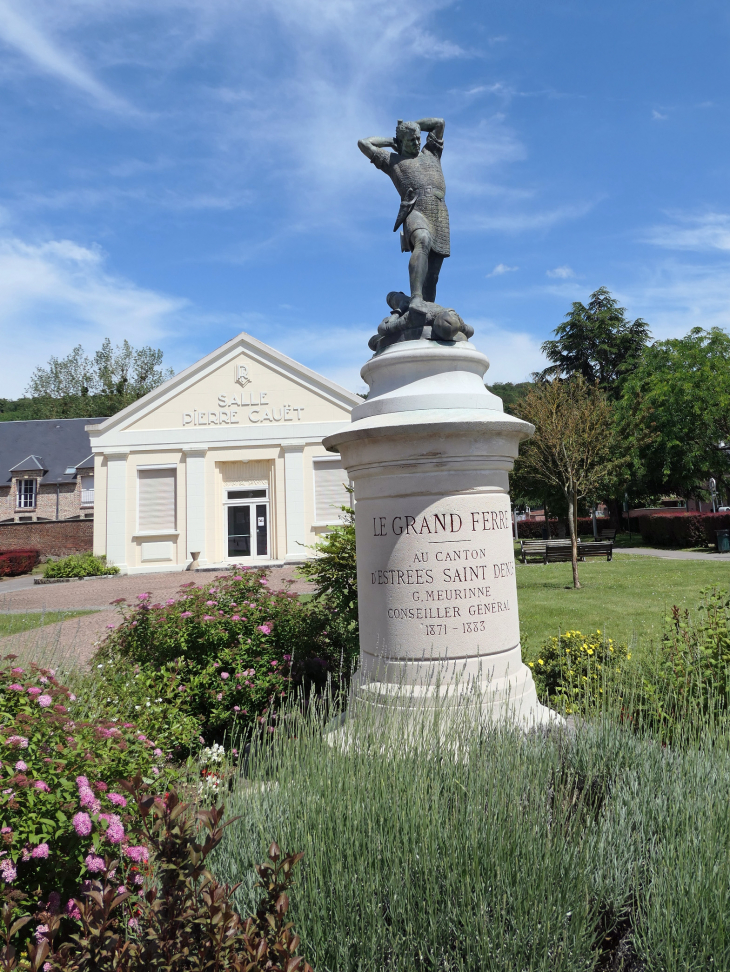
(77, 638)
(671, 554)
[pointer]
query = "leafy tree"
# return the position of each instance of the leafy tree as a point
(596, 342)
(684, 387)
(79, 386)
(124, 370)
(578, 447)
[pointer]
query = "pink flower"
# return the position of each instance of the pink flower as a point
(100, 784)
(111, 627)
(34, 690)
(72, 697)
(88, 799)
(121, 889)
(72, 910)
(216, 664)
(40, 785)
(287, 657)
(82, 824)
(142, 738)
(208, 617)
(18, 671)
(274, 664)
(219, 696)
(158, 754)
(115, 831)
(170, 600)
(263, 581)
(40, 851)
(238, 577)
(94, 863)
(186, 614)
(6, 830)
(44, 701)
(211, 603)
(117, 799)
(20, 766)
(82, 781)
(236, 708)
(143, 597)
(43, 680)
(136, 854)
(40, 932)
(224, 675)
(7, 871)
(236, 617)
(233, 604)
(264, 628)
(19, 741)
(15, 687)
(134, 624)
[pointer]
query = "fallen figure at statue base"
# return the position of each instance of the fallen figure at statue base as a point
(412, 320)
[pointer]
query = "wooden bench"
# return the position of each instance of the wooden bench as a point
(598, 548)
(532, 548)
(558, 551)
(607, 535)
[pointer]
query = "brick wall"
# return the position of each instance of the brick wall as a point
(69, 501)
(54, 539)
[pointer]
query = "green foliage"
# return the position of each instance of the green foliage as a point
(241, 648)
(684, 387)
(56, 764)
(334, 572)
(79, 565)
(572, 668)
(596, 342)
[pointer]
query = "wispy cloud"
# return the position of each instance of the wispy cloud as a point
(19, 32)
(500, 269)
(705, 232)
(658, 116)
(56, 294)
(561, 273)
(519, 222)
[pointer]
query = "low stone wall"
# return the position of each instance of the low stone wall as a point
(56, 538)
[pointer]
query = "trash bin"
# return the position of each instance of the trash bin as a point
(723, 541)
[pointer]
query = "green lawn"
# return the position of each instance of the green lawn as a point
(626, 598)
(13, 623)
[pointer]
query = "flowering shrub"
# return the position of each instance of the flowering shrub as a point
(573, 666)
(239, 646)
(182, 920)
(59, 809)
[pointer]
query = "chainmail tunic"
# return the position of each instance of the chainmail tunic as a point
(419, 176)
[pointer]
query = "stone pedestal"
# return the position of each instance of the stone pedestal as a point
(429, 453)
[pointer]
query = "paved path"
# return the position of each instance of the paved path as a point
(78, 637)
(671, 554)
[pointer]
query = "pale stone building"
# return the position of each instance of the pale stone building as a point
(225, 460)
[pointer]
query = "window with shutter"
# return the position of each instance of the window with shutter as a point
(156, 500)
(329, 490)
(87, 490)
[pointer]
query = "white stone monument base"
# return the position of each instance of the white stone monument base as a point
(429, 454)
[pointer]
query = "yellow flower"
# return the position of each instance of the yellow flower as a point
(531, 664)
(590, 651)
(540, 661)
(629, 655)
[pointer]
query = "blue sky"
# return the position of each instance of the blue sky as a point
(175, 171)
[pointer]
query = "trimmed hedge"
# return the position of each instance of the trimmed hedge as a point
(681, 529)
(15, 562)
(532, 529)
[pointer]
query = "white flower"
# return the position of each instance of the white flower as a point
(137, 707)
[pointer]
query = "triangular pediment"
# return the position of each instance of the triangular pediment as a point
(244, 382)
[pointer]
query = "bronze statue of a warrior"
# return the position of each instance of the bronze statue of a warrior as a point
(423, 217)
(423, 220)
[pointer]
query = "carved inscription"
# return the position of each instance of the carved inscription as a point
(443, 576)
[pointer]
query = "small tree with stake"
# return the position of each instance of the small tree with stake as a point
(577, 446)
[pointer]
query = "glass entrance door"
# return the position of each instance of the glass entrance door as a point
(248, 524)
